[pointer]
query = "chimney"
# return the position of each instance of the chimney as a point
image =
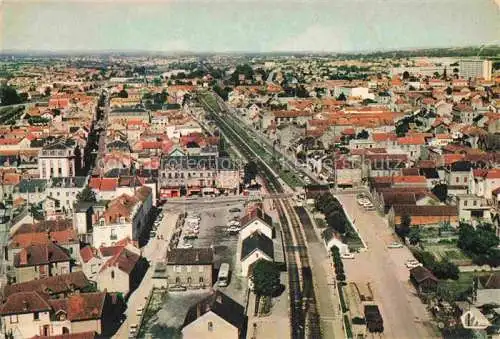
(23, 257)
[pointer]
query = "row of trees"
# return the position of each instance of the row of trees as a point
(479, 243)
(334, 213)
(339, 266)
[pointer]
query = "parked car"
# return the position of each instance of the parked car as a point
(395, 245)
(234, 210)
(139, 311)
(152, 234)
(347, 256)
(185, 245)
(233, 230)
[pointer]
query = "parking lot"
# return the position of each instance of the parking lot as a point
(212, 233)
(404, 314)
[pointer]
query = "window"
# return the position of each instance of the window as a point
(465, 202)
(210, 326)
(475, 203)
(14, 319)
(112, 274)
(67, 194)
(189, 280)
(201, 280)
(465, 179)
(457, 180)
(177, 280)
(36, 316)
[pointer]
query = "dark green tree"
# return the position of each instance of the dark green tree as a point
(403, 229)
(123, 94)
(440, 191)
(86, 195)
(9, 96)
(266, 278)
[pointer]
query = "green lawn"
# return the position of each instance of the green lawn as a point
(460, 287)
(447, 251)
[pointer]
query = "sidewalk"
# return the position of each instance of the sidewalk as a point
(277, 324)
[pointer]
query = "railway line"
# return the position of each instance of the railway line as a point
(303, 309)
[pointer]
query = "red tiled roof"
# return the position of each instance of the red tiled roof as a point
(86, 254)
(103, 184)
(410, 179)
(379, 137)
(412, 140)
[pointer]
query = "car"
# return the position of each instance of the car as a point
(234, 210)
(395, 245)
(347, 256)
(185, 245)
(413, 265)
(369, 208)
(139, 311)
(152, 234)
(133, 328)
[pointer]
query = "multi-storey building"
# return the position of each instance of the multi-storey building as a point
(59, 159)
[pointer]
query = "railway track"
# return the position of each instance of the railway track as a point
(303, 310)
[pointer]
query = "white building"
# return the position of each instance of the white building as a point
(255, 247)
(59, 160)
(256, 220)
(475, 68)
(124, 217)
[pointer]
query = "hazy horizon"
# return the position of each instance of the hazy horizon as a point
(245, 26)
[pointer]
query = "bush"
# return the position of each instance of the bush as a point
(340, 276)
(343, 305)
(347, 325)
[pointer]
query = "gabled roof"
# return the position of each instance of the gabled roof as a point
(220, 304)
(420, 274)
(190, 256)
(124, 260)
(64, 237)
(257, 213)
(44, 254)
(25, 302)
(51, 285)
(80, 307)
(257, 241)
(427, 211)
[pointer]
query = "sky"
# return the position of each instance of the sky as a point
(245, 25)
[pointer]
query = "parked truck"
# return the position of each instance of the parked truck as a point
(373, 318)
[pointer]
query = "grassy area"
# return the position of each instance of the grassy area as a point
(343, 304)
(459, 289)
(291, 179)
(448, 251)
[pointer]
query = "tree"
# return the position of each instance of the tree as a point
(47, 91)
(449, 90)
(266, 278)
(86, 195)
(362, 135)
(406, 75)
(251, 171)
(9, 96)
(342, 97)
(414, 236)
(404, 226)
(441, 192)
(123, 94)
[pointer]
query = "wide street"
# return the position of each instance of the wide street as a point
(154, 251)
(405, 316)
